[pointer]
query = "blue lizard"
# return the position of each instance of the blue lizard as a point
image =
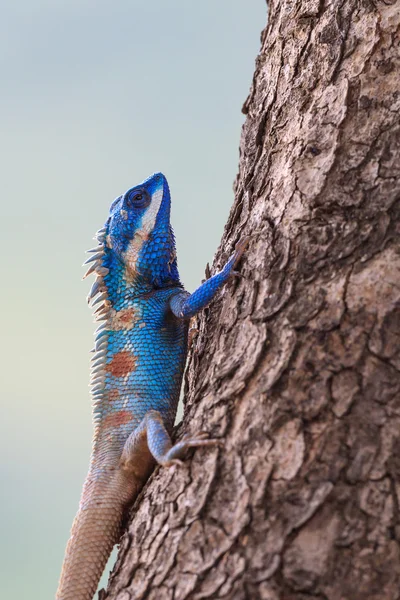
(137, 368)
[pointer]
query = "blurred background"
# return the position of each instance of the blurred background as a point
(95, 96)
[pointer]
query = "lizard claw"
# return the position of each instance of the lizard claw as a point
(179, 449)
(200, 442)
(240, 248)
(200, 435)
(192, 335)
(173, 462)
(236, 274)
(241, 245)
(202, 438)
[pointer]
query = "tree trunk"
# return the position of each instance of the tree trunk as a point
(296, 365)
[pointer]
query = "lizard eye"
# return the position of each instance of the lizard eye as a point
(138, 199)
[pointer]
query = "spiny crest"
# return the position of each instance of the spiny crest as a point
(98, 291)
(98, 295)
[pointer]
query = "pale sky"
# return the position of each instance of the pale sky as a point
(95, 97)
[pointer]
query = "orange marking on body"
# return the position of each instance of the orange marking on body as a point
(122, 417)
(126, 315)
(122, 364)
(113, 395)
(123, 319)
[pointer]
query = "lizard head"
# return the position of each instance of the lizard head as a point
(139, 231)
(137, 244)
(138, 234)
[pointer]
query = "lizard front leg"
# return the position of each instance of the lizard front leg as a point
(185, 305)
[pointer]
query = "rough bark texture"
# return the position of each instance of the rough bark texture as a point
(297, 365)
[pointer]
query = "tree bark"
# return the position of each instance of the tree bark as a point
(296, 365)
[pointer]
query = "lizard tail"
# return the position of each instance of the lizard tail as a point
(95, 531)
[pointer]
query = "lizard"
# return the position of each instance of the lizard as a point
(136, 370)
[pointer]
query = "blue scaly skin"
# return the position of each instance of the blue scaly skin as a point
(137, 367)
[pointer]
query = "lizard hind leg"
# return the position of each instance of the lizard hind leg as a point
(153, 430)
(160, 444)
